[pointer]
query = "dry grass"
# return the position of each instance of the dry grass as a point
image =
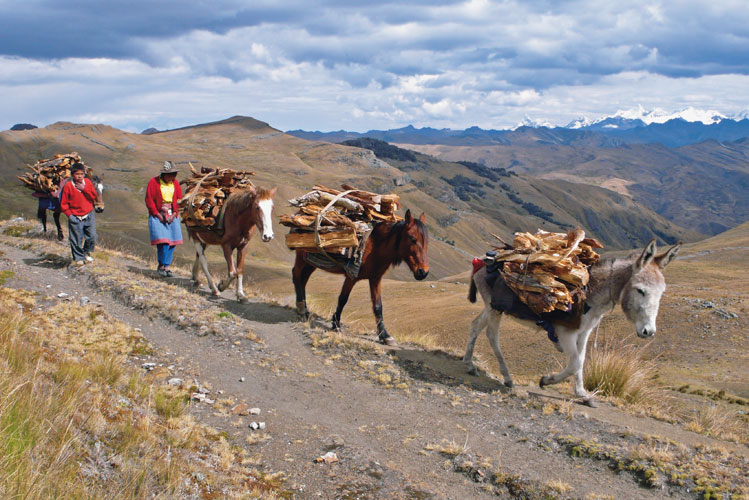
(716, 421)
(76, 422)
(619, 370)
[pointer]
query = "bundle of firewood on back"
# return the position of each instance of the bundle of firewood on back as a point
(206, 191)
(47, 175)
(344, 217)
(547, 270)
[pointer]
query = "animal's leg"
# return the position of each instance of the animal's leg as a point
(492, 332)
(204, 264)
(231, 271)
(568, 342)
(478, 324)
(196, 269)
(56, 217)
(42, 214)
(300, 275)
(582, 344)
(241, 297)
(375, 292)
(348, 284)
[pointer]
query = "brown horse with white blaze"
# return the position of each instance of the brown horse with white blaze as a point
(389, 244)
(243, 212)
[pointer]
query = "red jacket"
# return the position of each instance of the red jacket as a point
(76, 202)
(153, 196)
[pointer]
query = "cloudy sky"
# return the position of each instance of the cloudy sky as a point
(320, 65)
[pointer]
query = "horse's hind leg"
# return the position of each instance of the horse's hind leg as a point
(196, 269)
(41, 213)
(348, 284)
(478, 324)
(300, 275)
(231, 271)
(492, 332)
(204, 264)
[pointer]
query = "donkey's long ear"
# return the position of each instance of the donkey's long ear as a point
(666, 258)
(647, 256)
(409, 218)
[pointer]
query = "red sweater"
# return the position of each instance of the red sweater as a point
(76, 202)
(153, 196)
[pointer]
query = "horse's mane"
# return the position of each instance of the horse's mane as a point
(396, 231)
(241, 200)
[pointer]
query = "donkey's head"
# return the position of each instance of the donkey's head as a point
(99, 185)
(264, 212)
(641, 295)
(412, 245)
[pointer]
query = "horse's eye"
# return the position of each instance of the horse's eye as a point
(413, 239)
(641, 291)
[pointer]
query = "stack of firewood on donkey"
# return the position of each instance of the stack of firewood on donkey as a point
(358, 234)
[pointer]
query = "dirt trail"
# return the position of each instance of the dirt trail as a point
(380, 410)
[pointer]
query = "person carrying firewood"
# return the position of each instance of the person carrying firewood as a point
(77, 203)
(162, 198)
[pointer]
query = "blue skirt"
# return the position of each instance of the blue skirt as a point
(164, 233)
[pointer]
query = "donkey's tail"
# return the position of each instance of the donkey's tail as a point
(477, 264)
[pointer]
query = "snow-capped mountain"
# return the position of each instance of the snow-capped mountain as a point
(639, 116)
(527, 121)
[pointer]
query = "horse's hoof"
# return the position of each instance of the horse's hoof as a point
(216, 293)
(510, 384)
(542, 383)
(473, 371)
(590, 402)
(243, 300)
(302, 316)
(389, 341)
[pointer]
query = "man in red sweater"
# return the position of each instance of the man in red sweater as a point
(77, 202)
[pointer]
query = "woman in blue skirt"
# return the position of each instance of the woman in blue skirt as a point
(162, 196)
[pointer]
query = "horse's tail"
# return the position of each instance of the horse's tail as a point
(477, 264)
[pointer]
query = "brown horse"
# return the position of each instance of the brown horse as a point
(389, 244)
(243, 211)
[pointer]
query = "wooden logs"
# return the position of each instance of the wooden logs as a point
(46, 175)
(547, 270)
(206, 191)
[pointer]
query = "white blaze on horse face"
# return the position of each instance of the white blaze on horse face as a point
(641, 298)
(100, 188)
(266, 212)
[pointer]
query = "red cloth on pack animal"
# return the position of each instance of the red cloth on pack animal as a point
(75, 202)
(153, 196)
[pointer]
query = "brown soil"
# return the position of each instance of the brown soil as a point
(404, 422)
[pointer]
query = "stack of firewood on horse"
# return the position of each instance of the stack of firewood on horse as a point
(46, 180)
(560, 283)
(358, 234)
(223, 207)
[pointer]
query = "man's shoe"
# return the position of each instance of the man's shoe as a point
(89, 258)
(79, 263)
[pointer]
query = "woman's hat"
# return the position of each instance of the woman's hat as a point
(168, 168)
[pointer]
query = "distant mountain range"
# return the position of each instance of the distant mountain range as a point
(688, 126)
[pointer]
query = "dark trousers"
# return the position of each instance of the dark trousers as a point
(82, 235)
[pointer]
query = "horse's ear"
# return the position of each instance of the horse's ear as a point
(423, 217)
(409, 218)
(647, 256)
(666, 258)
(273, 191)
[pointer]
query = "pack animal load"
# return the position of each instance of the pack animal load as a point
(205, 193)
(333, 221)
(47, 175)
(547, 271)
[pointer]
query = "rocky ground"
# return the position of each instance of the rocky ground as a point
(342, 417)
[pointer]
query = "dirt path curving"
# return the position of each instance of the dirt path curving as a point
(404, 423)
